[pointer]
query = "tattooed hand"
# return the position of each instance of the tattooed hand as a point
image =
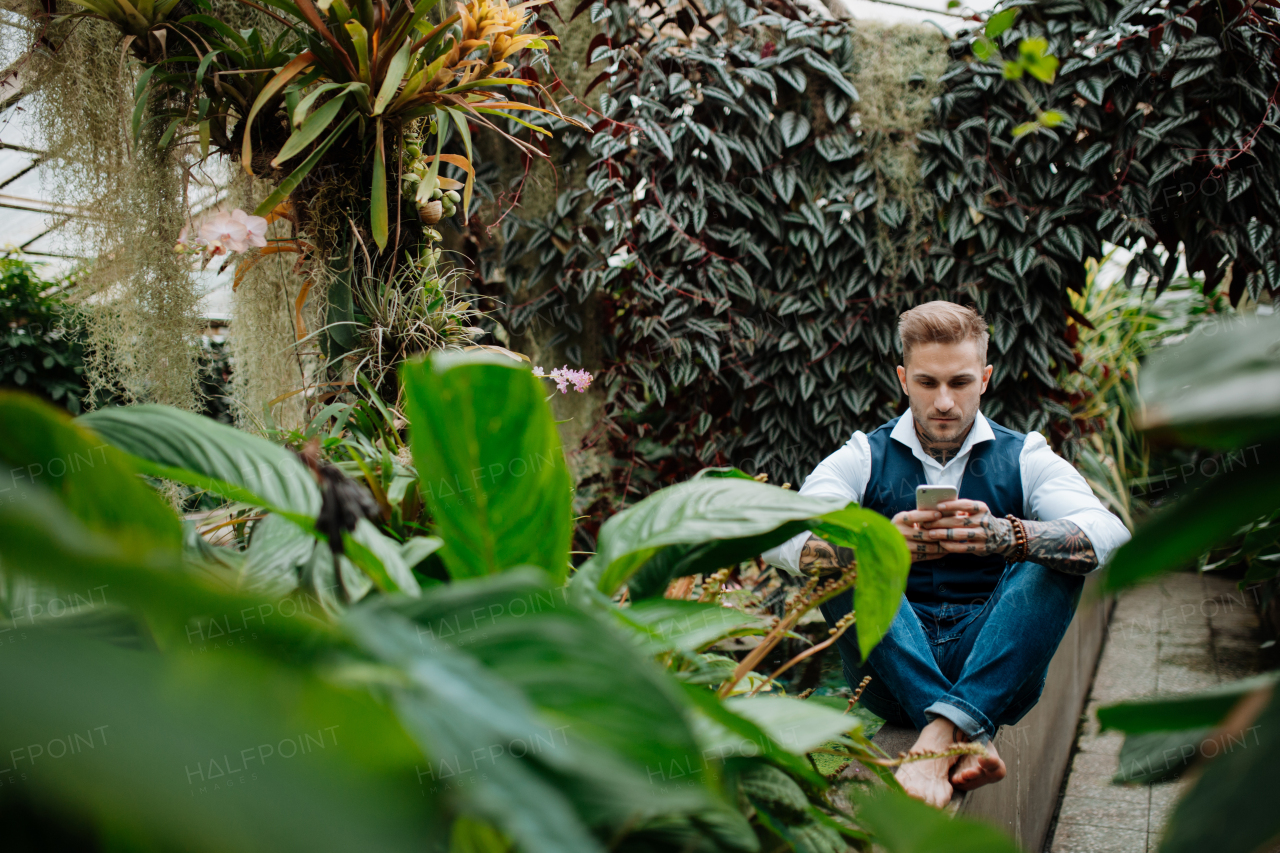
(911, 524)
(968, 527)
(819, 557)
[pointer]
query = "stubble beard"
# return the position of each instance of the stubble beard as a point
(932, 438)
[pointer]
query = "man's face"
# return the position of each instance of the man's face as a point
(945, 383)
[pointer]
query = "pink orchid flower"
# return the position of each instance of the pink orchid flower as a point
(223, 232)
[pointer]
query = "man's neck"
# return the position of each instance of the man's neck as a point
(942, 451)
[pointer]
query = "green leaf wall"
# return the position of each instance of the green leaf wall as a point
(766, 192)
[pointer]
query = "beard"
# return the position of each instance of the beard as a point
(950, 437)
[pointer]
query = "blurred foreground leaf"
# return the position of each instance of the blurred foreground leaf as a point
(1232, 808)
(1220, 387)
(904, 825)
(45, 449)
(207, 753)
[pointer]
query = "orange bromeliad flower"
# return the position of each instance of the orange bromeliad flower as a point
(498, 25)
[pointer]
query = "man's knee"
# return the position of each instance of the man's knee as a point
(1028, 582)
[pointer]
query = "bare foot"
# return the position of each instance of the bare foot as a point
(974, 771)
(929, 779)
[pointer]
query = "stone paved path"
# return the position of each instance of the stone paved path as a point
(1187, 633)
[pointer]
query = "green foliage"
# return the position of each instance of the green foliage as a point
(91, 478)
(1213, 395)
(540, 711)
(489, 457)
(1230, 806)
(710, 522)
(200, 452)
(40, 351)
(749, 247)
(907, 825)
(1167, 733)
(1185, 711)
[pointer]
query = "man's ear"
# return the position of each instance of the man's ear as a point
(986, 377)
(902, 378)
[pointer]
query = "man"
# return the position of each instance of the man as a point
(995, 575)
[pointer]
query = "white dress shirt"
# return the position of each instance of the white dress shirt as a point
(1051, 488)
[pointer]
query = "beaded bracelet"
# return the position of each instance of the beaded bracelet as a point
(1019, 539)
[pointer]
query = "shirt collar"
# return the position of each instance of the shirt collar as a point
(904, 432)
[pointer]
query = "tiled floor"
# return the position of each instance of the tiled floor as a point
(1187, 633)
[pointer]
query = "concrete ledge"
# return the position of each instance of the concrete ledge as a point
(1038, 748)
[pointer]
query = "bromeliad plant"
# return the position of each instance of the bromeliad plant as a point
(373, 69)
(474, 700)
(362, 115)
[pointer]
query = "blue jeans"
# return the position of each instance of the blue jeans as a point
(981, 665)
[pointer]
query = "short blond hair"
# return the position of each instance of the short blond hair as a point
(941, 322)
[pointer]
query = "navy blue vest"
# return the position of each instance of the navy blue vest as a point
(992, 475)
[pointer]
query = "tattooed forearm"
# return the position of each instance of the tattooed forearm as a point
(820, 557)
(1060, 545)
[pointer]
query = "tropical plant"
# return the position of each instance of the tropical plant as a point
(42, 351)
(1210, 393)
(484, 706)
(362, 116)
(1113, 329)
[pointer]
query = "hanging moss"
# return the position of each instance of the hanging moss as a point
(142, 299)
(896, 70)
(269, 362)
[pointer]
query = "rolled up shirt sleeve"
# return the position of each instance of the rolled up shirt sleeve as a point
(844, 475)
(1053, 490)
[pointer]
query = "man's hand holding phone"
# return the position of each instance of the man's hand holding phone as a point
(911, 524)
(968, 527)
(932, 505)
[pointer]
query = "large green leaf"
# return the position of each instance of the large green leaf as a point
(277, 549)
(490, 463)
(381, 558)
(43, 448)
(201, 452)
(1158, 756)
(1220, 387)
(883, 565)
(471, 726)
(1232, 808)
(707, 512)
(797, 726)
(569, 665)
(663, 624)
(903, 825)
(1209, 516)
(41, 539)
(715, 521)
(151, 717)
(725, 735)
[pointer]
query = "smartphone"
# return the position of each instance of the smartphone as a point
(928, 497)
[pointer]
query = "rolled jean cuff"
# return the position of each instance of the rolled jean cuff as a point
(963, 719)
